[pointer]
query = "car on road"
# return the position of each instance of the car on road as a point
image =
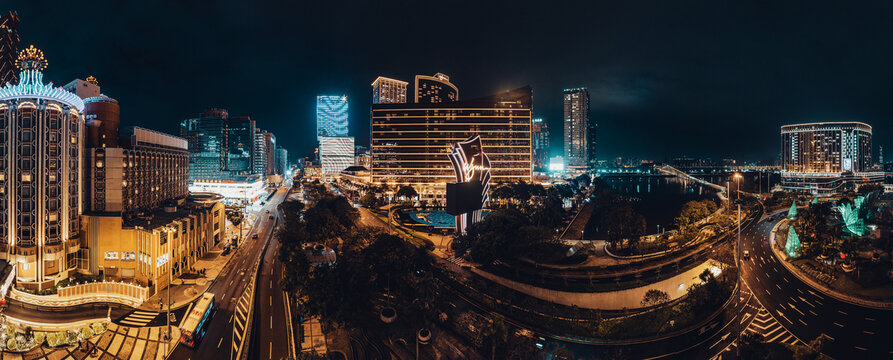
(226, 250)
(746, 254)
(254, 236)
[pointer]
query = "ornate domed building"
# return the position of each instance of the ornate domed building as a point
(40, 186)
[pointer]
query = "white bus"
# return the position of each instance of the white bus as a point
(193, 328)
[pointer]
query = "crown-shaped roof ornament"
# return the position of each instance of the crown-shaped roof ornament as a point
(92, 80)
(31, 58)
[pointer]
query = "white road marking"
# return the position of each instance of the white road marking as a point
(842, 312)
(767, 291)
(868, 332)
(860, 348)
(801, 321)
(813, 312)
(869, 319)
(838, 324)
(779, 287)
(219, 342)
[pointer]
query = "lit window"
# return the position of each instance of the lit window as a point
(26, 177)
(99, 163)
(128, 256)
(111, 255)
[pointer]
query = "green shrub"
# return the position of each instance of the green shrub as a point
(87, 332)
(39, 337)
(98, 328)
(11, 344)
(51, 339)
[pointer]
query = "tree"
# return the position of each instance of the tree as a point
(407, 192)
(505, 234)
(654, 297)
(694, 211)
(621, 223)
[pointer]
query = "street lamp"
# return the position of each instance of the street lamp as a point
(738, 266)
(737, 177)
(168, 230)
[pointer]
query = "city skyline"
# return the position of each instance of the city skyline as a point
(645, 73)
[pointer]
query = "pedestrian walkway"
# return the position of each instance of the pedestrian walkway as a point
(139, 318)
(676, 287)
(771, 330)
(118, 342)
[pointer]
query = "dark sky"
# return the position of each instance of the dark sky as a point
(697, 78)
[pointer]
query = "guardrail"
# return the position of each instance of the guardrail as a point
(96, 292)
(240, 340)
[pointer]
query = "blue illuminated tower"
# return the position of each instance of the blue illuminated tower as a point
(331, 116)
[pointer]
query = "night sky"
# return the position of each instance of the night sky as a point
(667, 78)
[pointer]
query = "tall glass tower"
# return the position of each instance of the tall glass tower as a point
(331, 116)
(579, 131)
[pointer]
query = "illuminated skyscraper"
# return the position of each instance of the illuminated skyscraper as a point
(388, 91)
(9, 46)
(539, 135)
(40, 183)
(579, 131)
(220, 147)
(331, 116)
(435, 89)
(827, 157)
(829, 147)
(336, 153)
(410, 142)
(264, 152)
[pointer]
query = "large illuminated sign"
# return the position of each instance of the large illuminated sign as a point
(467, 196)
(31, 63)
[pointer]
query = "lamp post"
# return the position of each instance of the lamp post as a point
(737, 177)
(738, 292)
(170, 279)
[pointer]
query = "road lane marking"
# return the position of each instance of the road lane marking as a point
(767, 291)
(860, 348)
(801, 321)
(807, 302)
(801, 291)
(813, 312)
(868, 332)
(219, 342)
(779, 287)
(842, 312)
(869, 319)
(838, 324)
(786, 280)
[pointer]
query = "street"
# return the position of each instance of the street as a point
(230, 285)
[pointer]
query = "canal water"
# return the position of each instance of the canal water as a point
(657, 198)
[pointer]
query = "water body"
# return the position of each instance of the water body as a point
(657, 198)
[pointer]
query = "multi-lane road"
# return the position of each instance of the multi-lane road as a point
(851, 331)
(232, 283)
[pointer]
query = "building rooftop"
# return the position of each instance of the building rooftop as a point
(163, 216)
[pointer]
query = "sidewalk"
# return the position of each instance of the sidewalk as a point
(187, 290)
(676, 287)
(817, 285)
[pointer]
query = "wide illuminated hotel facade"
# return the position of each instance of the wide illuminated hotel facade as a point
(827, 157)
(411, 142)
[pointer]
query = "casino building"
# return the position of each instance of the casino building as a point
(827, 157)
(40, 167)
(411, 142)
